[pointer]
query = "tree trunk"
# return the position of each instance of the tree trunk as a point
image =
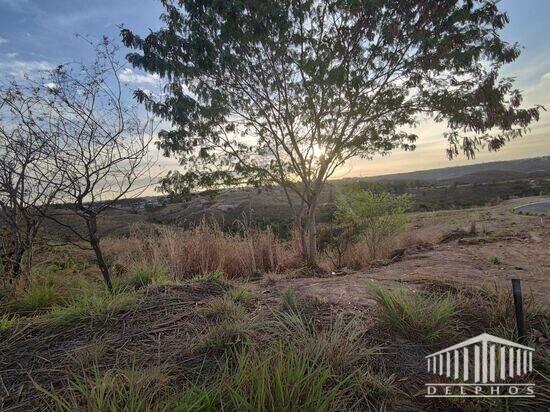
(17, 259)
(299, 224)
(94, 242)
(311, 226)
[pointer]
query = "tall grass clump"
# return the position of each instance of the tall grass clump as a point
(280, 379)
(136, 390)
(222, 308)
(140, 275)
(416, 316)
(36, 298)
(338, 343)
(491, 310)
(227, 335)
(206, 248)
(92, 307)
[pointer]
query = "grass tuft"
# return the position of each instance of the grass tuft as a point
(290, 302)
(281, 379)
(222, 308)
(415, 316)
(243, 296)
(133, 389)
(226, 335)
(37, 298)
(494, 260)
(140, 276)
(8, 321)
(92, 307)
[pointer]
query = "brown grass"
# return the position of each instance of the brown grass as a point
(205, 249)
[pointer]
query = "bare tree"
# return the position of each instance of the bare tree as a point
(101, 146)
(29, 180)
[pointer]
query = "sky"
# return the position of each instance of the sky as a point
(40, 34)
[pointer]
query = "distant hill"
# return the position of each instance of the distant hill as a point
(510, 168)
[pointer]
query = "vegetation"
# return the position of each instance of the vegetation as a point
(92, 307)
(116, 390)
(179, 311)
(415, 316)
(374, 217)
(7, 321)
(36, 298)
(288, 92)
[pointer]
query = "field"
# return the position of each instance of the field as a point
(251, 329)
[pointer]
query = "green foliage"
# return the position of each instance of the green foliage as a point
(338, 344)
(374, 217)
(7, 321)
(415, 316)
(200, 399)
(92, 307)
(179, 186)
(282, 380)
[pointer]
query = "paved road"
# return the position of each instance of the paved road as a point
(541, 206)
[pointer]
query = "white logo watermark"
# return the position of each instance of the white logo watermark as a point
(482, 364)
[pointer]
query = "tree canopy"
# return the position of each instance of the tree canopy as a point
(284, 92)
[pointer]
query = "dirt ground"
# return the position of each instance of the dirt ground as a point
(505, 246)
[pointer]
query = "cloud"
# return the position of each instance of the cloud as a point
(20, 68)
(546, 76)
(127, 75)
(51, 86)
(3, 41)
(13, 3)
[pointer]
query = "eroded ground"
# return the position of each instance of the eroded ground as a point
(505, 246)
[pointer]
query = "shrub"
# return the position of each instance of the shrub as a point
(415, 316)
(92, 307)
(375, 218)
(495, 260)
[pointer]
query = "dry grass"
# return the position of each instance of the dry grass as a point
(205, 249)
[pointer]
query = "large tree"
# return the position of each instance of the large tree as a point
(284, 92)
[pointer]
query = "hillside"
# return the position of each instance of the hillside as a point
(524, 166)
